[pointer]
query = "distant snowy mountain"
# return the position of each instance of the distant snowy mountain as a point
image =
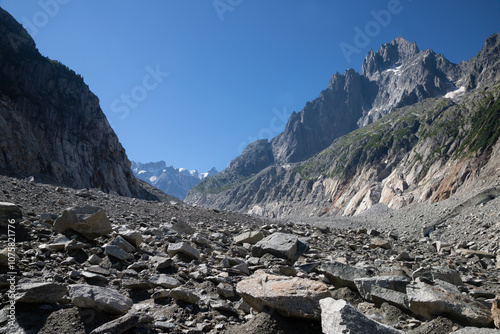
(173, 181)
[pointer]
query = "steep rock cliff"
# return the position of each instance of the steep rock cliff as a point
(51, 125)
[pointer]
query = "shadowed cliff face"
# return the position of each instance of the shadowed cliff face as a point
(51, 125)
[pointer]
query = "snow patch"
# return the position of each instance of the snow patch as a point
(141, 172)
(396, 71)
(455, 93)
(153, 178)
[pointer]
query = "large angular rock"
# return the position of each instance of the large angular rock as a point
(251, 237)
(9, 211)
(123, 323)
(381, 295)
(161, 262)
(134, 237)
(117, 252)
(291, 297)
(282, 245)
(183, 227)
(89, 221)
(183, 248)
(185, 295)
(99, 298)
(431, 301)
(337, 316)
(342, 275)
(165, 281)
(123, 244)
(365, 285)
(40, 292)
(438, 273)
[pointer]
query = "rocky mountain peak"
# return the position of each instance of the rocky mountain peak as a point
(389, 55)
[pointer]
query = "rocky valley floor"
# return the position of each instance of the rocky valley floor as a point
(138, 266)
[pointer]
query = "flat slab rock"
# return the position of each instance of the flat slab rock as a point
(291, 297)
(338, 316)
(99, 298)
(430, 301)
(40, 292)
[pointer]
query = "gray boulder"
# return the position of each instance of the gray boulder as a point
(292, 297)
(365, 285)
(398, 299)
(183, 248)
(89, 221)
(123, 244)
(9, 211)
(342, 275)
(337, 316)
(183, 227)
(133, 237)
(251, 237)
(438, 273)
(117, 252)
(40, 292)
(123, 323)
(99, 298)
(165, 281)
(430, 301)
(282, 245)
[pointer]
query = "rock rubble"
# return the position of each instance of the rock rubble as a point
(171, 268)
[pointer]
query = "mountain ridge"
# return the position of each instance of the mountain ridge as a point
(172, 181)
(293, 188)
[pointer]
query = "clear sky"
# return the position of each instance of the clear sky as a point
(192, 82)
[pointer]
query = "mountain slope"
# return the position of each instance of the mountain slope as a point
(173, 181)
(51, 125)
(427, 151)
(352, 174)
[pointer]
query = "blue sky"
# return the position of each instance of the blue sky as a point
(193, 82)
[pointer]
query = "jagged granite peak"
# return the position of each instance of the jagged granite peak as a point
(172, 181)
(405, 75)
(51, 125)
(389, 55)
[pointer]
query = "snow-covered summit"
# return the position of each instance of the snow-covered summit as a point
(173, 181)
